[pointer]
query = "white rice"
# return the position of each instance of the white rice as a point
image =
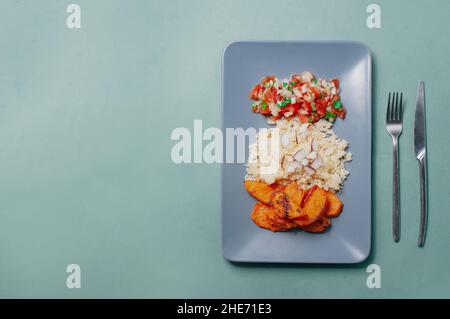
(310, 154)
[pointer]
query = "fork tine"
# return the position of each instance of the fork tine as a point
(396, 107)
(388, 111)
(401, 107)
(392, 116)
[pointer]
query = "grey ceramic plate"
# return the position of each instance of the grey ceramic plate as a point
(349, 239)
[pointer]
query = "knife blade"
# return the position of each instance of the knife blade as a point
(420, 150)
(419, 124)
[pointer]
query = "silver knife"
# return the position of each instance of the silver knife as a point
(420, 148)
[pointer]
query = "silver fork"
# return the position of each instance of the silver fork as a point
(394, 127)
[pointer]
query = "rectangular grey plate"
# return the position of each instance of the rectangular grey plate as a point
(349, 239)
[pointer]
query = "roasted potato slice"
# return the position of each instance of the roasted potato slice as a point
(335, 205)
(264, 216)
(262, 191)
(314, 207)
(319, 226)
(287, 202)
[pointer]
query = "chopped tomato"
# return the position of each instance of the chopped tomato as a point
(290, 108)
(321, 102)
(336, 83)
(303, 118)
(297, 78)
(341, 113)
(315, 117)
(321, 106)
(307, 107)
(293, 108)
(312, 99)
(267, 79)
(279, 97)
(255, 91)
(265, 111)
(276, 117)
(315, 91)
(321, 110)
(270, 95)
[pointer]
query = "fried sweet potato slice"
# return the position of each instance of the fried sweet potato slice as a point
(281, 224)
(262, 191)
(335, 205)
(314, 207)
(264, 216)
(260, 216)
(281, 204)
(295, 194)
(287, 202)
(307, 194)
(319, 226)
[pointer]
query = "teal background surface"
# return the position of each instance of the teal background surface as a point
(86, 175)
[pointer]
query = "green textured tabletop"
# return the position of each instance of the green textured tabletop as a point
(86, 175)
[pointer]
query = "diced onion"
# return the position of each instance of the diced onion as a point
(304, 162)
(309, 170)
(285, 139)
(316, 164)
(312, 155)
(299, 155)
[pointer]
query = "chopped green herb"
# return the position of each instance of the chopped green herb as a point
(283, 103)
(337, 104)
(263, 105)
(284, 84)
(315, 81)
(330, 115)
(313, 106)
(293, 83)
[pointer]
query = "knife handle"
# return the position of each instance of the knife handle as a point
(423, 201)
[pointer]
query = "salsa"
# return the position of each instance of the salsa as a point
(302, 95)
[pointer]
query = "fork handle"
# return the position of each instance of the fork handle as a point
(395, 199)
(423, 201)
